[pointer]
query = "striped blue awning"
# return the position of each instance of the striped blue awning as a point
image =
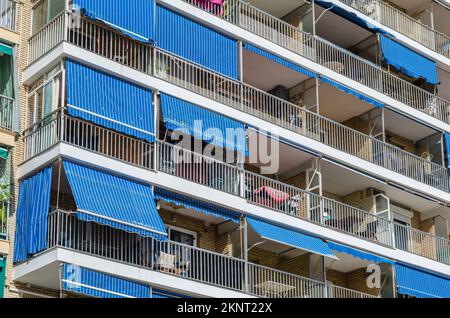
(32, 212)
(421, 284)
(358, 253)
(133, 18)
(113, 201)
(290, 238)
(195, 42)
(407, 61)
(202, 124)
(201, 206)
(109, 101)
(163, 294)
(343, 12)
(352, 92)
(279, 60)
(88, 282)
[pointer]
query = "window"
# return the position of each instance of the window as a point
(182, 236)
(6, 71)
(45, 11)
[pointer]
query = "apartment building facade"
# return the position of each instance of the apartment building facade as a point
(10, 41)
(224, 148)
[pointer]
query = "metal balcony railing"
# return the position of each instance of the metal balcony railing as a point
(6, 112)
(188, 262)
(329, 55)
(215, 174)
(10, 14)
(112, 45)
(399, 21)
(421, 243)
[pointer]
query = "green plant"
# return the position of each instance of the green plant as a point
(5, 196)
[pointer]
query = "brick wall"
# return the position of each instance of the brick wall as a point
(17, 154)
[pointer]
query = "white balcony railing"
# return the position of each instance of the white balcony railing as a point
(224, 177)
(328, 54)
(399, 21)
(6, 112)
(421, 243)
(109, 44)
(10, 14)
(188, 262)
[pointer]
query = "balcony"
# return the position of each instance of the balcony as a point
(209, 172)
(4, 231)
(401, 22)
(114, 46)
(9, 14)
(192, 263)
(329, 55)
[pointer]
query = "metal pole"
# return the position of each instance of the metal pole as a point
(245, 238)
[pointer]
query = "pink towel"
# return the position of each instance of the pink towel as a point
(274, 194)
(212, 5)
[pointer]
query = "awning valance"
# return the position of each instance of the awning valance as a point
(355, 18)
(88, 282)
(421, 284)
(109, 101)
(290, 238)
(358, 253)
(133, 18)
(6, 49)
(32, 212)
(407, 61)
(352, 92)
(279, 60)
(113, 201)
(201, 206)
(202, 124)
(195, 42)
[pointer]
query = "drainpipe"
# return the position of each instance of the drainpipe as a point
(245, 244)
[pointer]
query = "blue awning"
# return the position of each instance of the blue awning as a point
(201, 206)
(113, 201)
(352, 92)
(290, 238)
(88, 282)
(133, 18)
(279, 60)
(447, 147)
(6, 49)
(109, 101)
(358, 253)
(202, 124)
(421, 284)
(341, 11)
(31, 217)
(196, 42)
(163, 294)
(407, 61)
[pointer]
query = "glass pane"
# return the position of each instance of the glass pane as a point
(6, 78)
(55, 7)
(48, 99)
(39, 16)
(382, 203)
